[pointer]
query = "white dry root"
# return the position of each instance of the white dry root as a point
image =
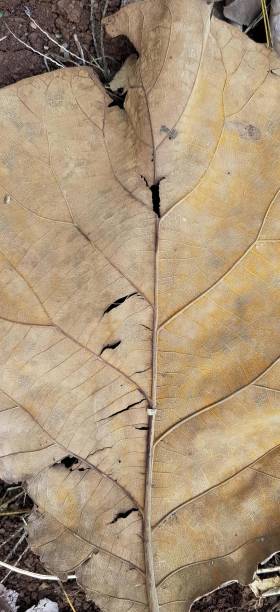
(18, 570)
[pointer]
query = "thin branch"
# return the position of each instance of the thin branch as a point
(266, 24)
(70, 604)
(255, 21)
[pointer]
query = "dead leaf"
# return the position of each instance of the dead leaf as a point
(141, 271)
(242, 12)
(266, 587)
(8, 599)
(44, 605)
(275, 24)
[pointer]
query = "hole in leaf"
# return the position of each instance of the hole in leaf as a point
(112, 346)
(69, 461)
(118, 98)
(155, 194)
(123, 410)
(122, 515)
(118, 302)
(142, 371)
(156, 198)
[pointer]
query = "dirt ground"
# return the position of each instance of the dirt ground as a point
(62, 19)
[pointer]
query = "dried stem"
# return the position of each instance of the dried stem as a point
(70, 604)
(92, 21)
(80, 49)
(17, 544)
(104, 12)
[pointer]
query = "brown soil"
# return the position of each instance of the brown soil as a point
(62, 19)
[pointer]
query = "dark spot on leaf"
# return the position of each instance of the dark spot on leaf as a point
(247, 131)
(171, 133)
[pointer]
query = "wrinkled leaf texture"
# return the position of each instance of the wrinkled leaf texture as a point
(109, 311)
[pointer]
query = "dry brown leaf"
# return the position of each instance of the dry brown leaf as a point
(109, 311)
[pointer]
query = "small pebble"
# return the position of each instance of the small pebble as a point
(7, 198)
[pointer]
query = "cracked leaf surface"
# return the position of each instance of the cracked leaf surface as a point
(108, 310)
